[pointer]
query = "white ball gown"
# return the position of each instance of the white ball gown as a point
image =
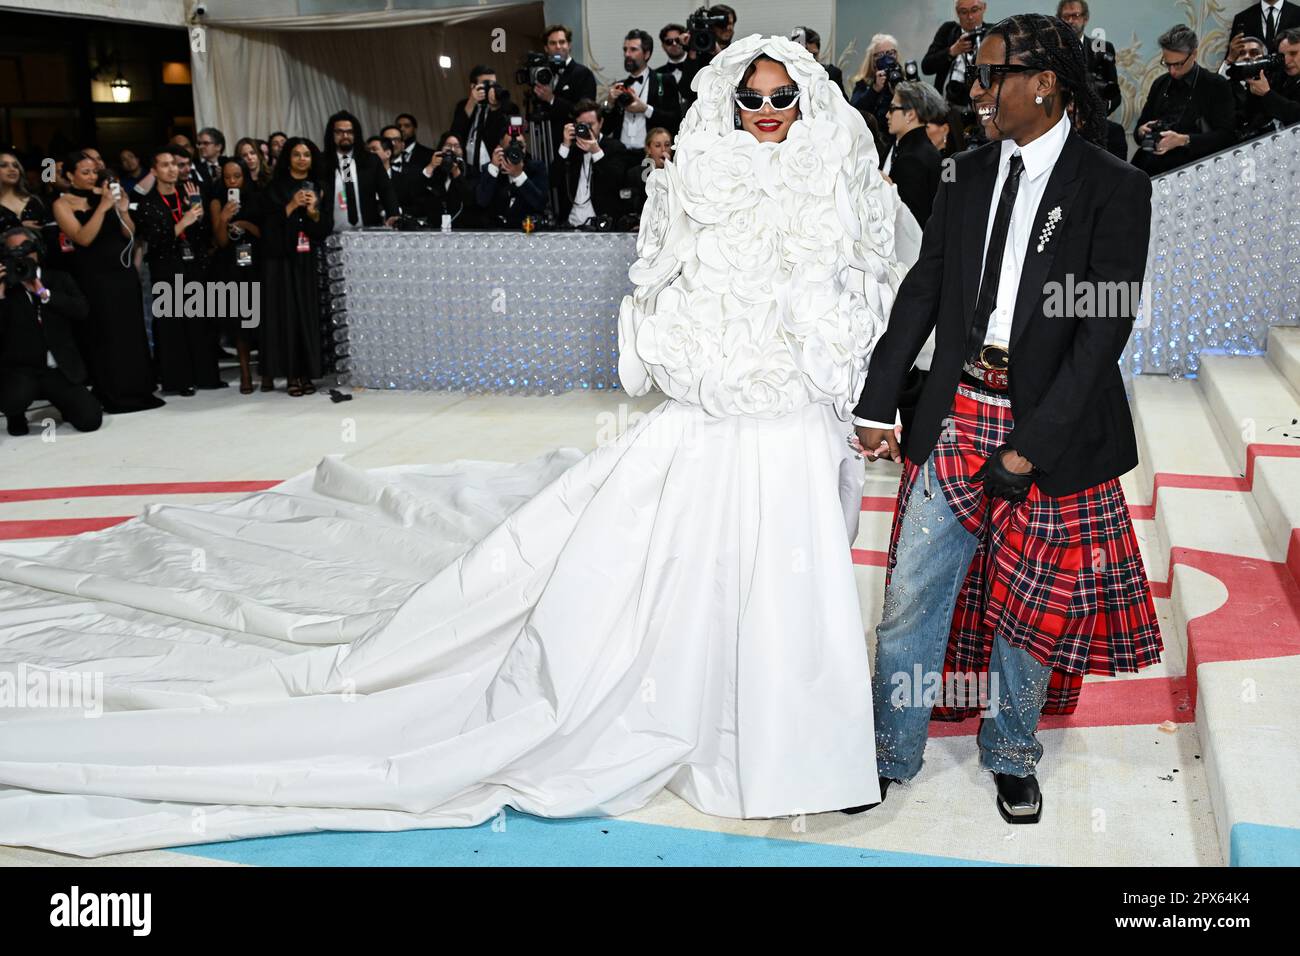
(423, 646)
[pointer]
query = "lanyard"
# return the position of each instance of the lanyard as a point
(177, 215)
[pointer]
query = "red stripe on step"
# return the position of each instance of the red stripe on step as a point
(1293, 554)
(55, 527)
(1266, 451)
(1111, 703)
(1160, 589)
(879, 502)
(154, 488)
(871, 559)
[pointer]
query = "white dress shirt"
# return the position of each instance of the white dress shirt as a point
(632, 134)
(582, 208)
(346, 171)
(1039, 158)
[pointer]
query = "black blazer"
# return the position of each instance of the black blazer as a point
(1250, 22)
(937, 62)
(407, 181)
(492, 127)
(1071, 414)
(376, 194)
(502, 203)
(606, 179)
(25, 338)
(661, 94)
(915, 170)
(1209, 119)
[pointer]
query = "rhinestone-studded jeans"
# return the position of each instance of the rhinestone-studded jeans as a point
(933, 555)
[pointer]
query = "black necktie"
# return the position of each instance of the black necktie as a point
(1270, 26)
(988, 297)
(350, 189)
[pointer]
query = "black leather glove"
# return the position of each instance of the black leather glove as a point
(1001, 483)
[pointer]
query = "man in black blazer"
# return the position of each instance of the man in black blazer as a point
(651, 98)
(359, 191)
(913, 163)
(1266, 20)
(1022, 428)
(1193, 106)
(211, 144)
(38, 346)
(480, 119)
(408, 153)
(573, 82)
(507, 192)
(953, 49)
(587, 174)
(1099, 53)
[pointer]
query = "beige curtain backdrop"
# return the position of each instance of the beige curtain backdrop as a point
(251, 82)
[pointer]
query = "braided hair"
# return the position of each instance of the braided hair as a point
(1049, 43)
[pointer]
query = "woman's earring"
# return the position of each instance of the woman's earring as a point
(1038, 100)
(735, 115)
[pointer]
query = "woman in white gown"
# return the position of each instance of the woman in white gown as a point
(421, 647)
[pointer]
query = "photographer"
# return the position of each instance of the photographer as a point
(480, 120)
(513, 185)
(873, 86)
(644, 98)
(811, 41)
(588, 172)
(1275, 94)
(1098, 55)
(708, 31)
(443, 188)
(951, 56)
(38, 351)
(1189, 112)
(672, 38)
(408, 152)
(571, 81)
(363, 195)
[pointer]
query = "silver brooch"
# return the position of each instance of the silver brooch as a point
(1053, 218)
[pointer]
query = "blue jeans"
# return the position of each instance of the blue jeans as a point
(934, 554)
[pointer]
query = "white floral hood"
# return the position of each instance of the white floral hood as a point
(766, 271)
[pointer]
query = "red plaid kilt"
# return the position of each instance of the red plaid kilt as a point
(1060, 577)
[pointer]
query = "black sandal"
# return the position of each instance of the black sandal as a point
(295, 390)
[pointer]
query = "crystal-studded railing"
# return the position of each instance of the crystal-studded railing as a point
(479, 311)
(1224, 262)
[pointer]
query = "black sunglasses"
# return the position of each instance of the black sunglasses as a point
(985, 72)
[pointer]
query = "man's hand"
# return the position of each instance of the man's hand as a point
(544, 92)
(1145, 127)
(880, 442)
(1236, 47)
(511, 169)
(964, 44)
(1016, 463)
(476, 96)
(434, 163)
(499, 158)
(1000, 481)
(390, 220)
(1171, 140)
(567, 139)
(879, 83)
(637, 105)
(1258, 85)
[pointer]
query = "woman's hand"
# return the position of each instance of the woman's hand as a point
(881, 442)
(880, 81)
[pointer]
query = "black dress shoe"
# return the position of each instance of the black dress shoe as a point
(18, 425)
(884, 787)
(1019, 799)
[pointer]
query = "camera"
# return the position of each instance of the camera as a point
(700, 25)
(540, 68)
(18, 267)
(894, 73)
(624, 98)
(449, 158)
(489, 87)
(1152, 137)
(515, 150)
(976, 37)
(582, 131)
(1249, 69)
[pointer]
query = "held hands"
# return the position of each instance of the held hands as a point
(880, 443)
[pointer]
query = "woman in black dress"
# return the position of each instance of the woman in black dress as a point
(115, 346)
(291, 334)
(169, 220)
(18, 206)
(235, 210)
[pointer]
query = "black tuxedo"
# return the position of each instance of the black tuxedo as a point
(429, 197)
(492, 126)
(573, 82)
(677, 71)
(606, 179)
(660, 92)
(1250, 22)
(1071, 414)
(502, 203)
(407, 179)
(29, 330)
(915, 170)
(376, 194)
(1104, 72)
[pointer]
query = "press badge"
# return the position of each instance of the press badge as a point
(65, 243)
(304, 244)
(244, 254)
(187, 253)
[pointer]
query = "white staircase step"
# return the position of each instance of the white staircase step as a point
(1251, 401)
(1277, 494)
(1284, 353)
